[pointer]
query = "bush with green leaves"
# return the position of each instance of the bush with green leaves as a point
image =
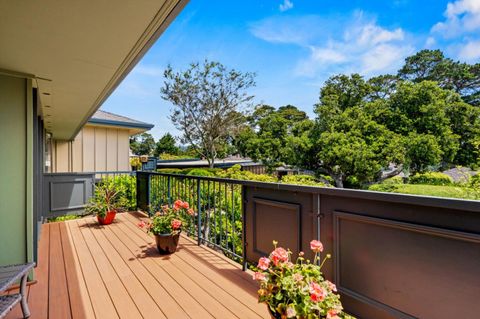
(235, 172)
(474, 181)
(302, 180)
(395, 180)
(126, 186)
(431, 178)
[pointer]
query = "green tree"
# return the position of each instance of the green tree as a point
(274, 137)
(432, 65)
(209, 101)
(166, 144)
(421, 108)
(142, 144)
(353, 145)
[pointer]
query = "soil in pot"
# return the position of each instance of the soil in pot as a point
(108, 219)
(167, 243)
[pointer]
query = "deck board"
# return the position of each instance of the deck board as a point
(90, 271)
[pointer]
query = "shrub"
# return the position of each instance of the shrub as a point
(235, 172)
(171, 170)
(474, 181)
(395, 180)
(302, 180)
(201, 172)
(431, 178)
(383, 187)
(126, 186)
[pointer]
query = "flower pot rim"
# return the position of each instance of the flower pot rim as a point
(166, 235)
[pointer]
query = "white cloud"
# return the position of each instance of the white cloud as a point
(360, 46)
(287, 29)
(286, 5)
(430, 42)
(372, 34)
(470, 52)
(338, 44)
(148, 70)
(461, 16)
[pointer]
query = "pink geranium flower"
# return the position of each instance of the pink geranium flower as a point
(316, 246)
(141, 224)
(331, 285)
(176, 224)
(263, 263)
(332, 314)
(279, 255)
(191, 212)
(258, 276)
(317, 292)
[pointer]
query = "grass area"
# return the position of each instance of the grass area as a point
(428, 190)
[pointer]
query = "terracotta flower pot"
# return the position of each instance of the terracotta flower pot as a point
(167, 243)
(272, 314)
(108, 219)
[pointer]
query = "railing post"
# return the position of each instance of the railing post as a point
(169, 194)
(199, 214)
(244, 228)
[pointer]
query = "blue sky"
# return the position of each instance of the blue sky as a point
(295, 45)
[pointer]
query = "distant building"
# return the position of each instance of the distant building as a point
(245, 163)
(101, 145)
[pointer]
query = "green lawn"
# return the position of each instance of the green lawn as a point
(428, 190)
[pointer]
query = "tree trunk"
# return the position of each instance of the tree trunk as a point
(338, 181)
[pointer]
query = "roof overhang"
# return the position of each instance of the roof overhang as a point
(78, 52)
(133, 129)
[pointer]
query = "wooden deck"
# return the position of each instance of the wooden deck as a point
(89, 271)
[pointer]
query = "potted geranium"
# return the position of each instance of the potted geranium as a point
(297, 290)
(166, 226)
(105, 203)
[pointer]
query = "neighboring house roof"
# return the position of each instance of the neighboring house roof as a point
(107, 118)
(460, 174)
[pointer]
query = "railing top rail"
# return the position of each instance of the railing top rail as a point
(89, 173)
(440, 202)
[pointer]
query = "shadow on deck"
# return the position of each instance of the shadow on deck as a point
(91, 271)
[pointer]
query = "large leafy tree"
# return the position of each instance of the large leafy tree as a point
(347, 143)
(209, 101)
(166, 144)
(274, 137)
(432, 65)
(142, 144)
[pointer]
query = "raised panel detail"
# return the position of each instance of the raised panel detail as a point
(275, 220)
(67, 195)
(418, 271)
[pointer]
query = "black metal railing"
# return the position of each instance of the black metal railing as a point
(217, 203)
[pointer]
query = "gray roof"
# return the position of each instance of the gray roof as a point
(460, 174)
(107, 118)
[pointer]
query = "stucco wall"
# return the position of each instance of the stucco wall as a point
(16, 178)
(95, 148)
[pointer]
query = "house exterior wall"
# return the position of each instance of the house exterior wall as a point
(95, 148)
(16, 170)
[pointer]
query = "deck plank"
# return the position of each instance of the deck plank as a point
(163, 299)
(219, 279)
(84, 296)
(77, 303)
(58, 298)
(147, 255)
(90, 271)
(144, 302)
(38, 297)
(123, 302)
(101, 303)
